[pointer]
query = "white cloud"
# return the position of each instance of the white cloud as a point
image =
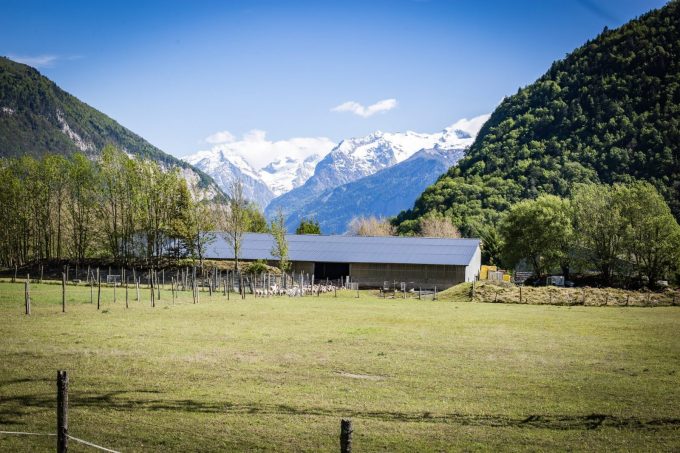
(259, 151)
(37, 61)
(220, 137)
(358, 109)
(472, 125)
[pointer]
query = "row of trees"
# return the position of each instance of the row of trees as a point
(621, 231)
(116, 207)
(432, 225)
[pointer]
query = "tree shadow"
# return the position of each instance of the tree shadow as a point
(13, 408)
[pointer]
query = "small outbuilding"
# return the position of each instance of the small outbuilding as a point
(369, 261)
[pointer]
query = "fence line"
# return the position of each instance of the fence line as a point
(90, 444)
(84, 442)
(21, 433)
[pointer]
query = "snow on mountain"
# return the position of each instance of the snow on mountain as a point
(359, 157)
(225, 167)
(289, 174)
(268, 168)
(286, 174)
(382, 194)
(260, 186)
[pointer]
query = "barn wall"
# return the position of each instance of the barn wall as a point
(302, 266)
(416, 275)
(475, 266)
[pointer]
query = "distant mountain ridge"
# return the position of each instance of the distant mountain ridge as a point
(260, 186)
(356, 158)
(382, 194)
(224, 169)
(38, 117)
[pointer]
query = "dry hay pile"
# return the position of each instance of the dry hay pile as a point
(508, 293)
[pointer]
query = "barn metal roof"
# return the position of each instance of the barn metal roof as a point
(352, 249)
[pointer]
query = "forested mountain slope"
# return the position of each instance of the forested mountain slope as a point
(608, 112)
(38, 117)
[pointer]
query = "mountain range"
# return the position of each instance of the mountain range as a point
(260, 185)
(38, 117)
(327, 187)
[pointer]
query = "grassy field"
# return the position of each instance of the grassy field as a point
(279, 373)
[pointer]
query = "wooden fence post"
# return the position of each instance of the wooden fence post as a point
(346, 431)
(172, 286)
(62, 411)
(435, 293)
(520, 294)
(99, 289)
(63, 292)
(126, 294)
(41, 274)
(193, 290)
(27, 295)
(193, 283)
(16, 269)
(151, 282)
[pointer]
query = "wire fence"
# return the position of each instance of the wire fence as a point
(62, 435)
(81, 441)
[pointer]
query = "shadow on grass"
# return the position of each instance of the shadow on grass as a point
(13, 408)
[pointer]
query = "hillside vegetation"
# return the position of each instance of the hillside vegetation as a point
(609, 112)
(37, 117)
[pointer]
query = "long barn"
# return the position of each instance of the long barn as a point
(369, 261)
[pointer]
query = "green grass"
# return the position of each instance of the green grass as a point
(279, 373)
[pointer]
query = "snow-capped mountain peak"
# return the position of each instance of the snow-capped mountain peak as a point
(225, 167)
(294, 179)
(283, 175)
(261, 186)
(360, 157)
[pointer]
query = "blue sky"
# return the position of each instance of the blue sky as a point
(177, 72)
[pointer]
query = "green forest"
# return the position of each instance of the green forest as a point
(625, 232)
(117, 207)
(607, 113)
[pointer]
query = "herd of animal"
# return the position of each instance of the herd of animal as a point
(294, 291)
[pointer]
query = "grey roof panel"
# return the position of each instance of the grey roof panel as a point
(352, 249)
